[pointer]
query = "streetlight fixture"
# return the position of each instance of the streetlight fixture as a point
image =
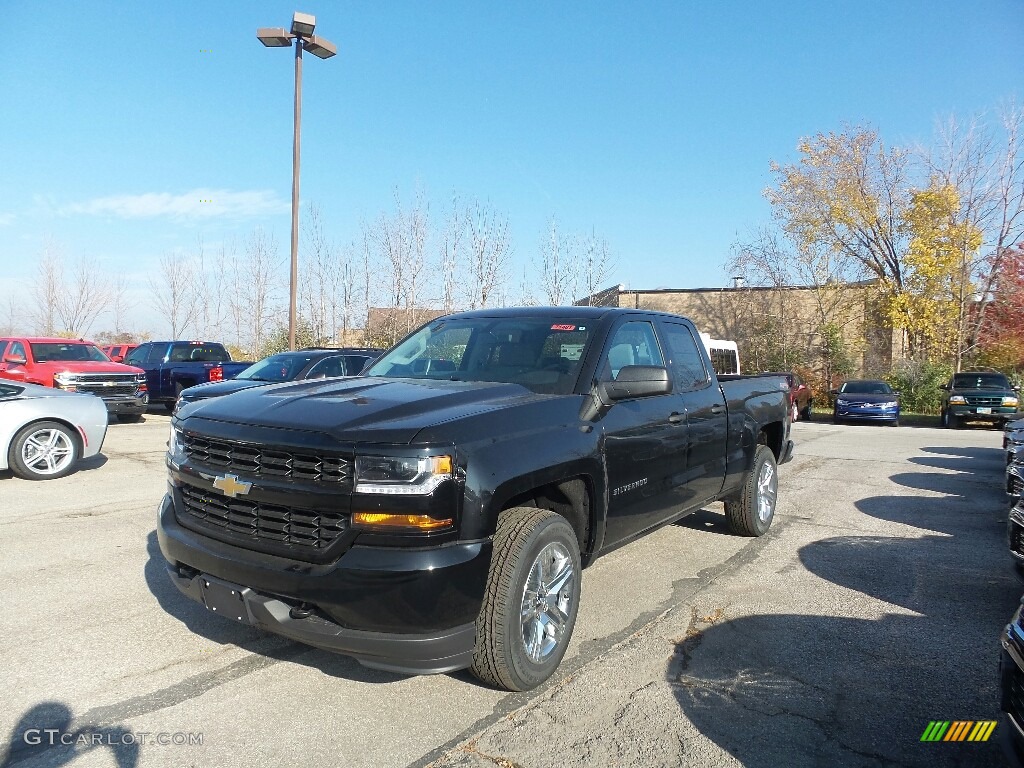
(302, 36)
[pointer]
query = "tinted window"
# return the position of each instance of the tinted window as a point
(540, 353)
(3, 346)
(355, 363)
(156, 354)
(57, 352)
(17, 350)
(633, 343)
(205, 353)
(9, 390)
(866, 388)
(137, 355)
(328, 368)
(283, 367)
(685, 360)
(981, 381)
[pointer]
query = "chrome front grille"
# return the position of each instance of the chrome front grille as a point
(273, 523)
(254, 460)
(984, 400)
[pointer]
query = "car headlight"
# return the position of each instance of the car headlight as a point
(957, 400)
(402, 475)
(66, 380)
(174, 446)
(1010, 400)
(842, 402)
(892, 404)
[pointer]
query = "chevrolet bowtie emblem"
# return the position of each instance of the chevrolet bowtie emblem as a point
(231, 486)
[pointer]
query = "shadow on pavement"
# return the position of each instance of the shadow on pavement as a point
(913, 637)
(46, 731)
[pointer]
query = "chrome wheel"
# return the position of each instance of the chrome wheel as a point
(767, 490)
(547, 597)
(47, 451)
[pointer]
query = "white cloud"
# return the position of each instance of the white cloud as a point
(195, 204)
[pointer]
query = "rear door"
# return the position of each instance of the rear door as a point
(644, 438)
(707, 417)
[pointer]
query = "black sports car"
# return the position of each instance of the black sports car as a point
(318, 363)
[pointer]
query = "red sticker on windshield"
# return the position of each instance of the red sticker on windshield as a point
(563, 327)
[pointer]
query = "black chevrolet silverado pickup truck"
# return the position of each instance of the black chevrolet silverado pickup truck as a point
(434, 512)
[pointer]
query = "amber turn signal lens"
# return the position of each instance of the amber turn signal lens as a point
(386, 520)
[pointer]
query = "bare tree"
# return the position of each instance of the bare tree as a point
(558, 270)
(46, 290)
(84, 298)
(489, 253)
(210, 289)
(120, 303)
(597, 264)
(173, 292)
(257, 288)
(452, 246)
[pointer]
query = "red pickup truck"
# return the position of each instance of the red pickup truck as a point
(76, 365)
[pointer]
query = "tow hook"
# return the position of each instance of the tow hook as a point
(301, 611)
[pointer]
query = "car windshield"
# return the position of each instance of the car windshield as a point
(981, 381)
(56, 352)
(283, 367)
(542, 354)
(866, 388)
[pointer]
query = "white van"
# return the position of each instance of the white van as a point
(724, 354)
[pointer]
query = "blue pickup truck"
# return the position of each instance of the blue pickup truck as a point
(172, 366)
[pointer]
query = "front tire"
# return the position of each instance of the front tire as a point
(43, 451)
(805, 414)
(949, 421)
(531, 602)
(752, 512)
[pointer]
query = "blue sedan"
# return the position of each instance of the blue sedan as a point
(866, 400)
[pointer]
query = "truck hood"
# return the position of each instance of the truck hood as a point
(360, 409)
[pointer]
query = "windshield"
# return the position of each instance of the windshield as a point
(56, 352)
(9, 390)
(866, 388)
(541, 354)
(276, 368)
(981, 381)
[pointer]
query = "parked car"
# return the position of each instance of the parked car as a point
(866, 400)
(118, 352)
(978, 396)
(314, 363)
(434, 512)
(44, 432)
(172, 366)
(1013, 437)
(801, 398)
(75, 365)
(1011, 688)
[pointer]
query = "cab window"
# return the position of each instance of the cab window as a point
(633, 343)
(685, 360)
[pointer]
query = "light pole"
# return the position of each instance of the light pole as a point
(302, 36)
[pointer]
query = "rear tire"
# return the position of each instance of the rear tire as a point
(43, 451)
(531, 602)
(752, 512)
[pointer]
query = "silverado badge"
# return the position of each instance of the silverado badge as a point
(231, 486)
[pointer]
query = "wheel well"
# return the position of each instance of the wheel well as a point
(572, 499)
(771, 435)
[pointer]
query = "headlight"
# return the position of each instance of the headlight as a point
(893, 404)
(402, 475)
(174, 441)
(66, 380)
(842, 402)
(957, 400)
(1010, 400)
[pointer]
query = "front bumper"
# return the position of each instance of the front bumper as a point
(993, 414)
(866, 413)
(122, 405)
(402, 610)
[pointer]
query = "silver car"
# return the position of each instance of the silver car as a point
(44, 432)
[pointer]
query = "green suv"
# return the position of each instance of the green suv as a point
(978, 396)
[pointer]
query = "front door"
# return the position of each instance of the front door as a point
(644, 438)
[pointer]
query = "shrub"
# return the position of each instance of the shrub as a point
(918, 384)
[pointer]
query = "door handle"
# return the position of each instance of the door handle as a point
(718, 408)
(676, 417)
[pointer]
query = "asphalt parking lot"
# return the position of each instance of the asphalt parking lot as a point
(873, 606)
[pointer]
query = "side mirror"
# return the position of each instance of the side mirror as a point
(833, 392)
(632, 381)
(896, 392)
(944, 386)
(14, 360)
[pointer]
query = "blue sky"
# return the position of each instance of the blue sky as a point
(652, 124)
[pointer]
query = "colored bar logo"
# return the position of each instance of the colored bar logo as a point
(958, 730)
